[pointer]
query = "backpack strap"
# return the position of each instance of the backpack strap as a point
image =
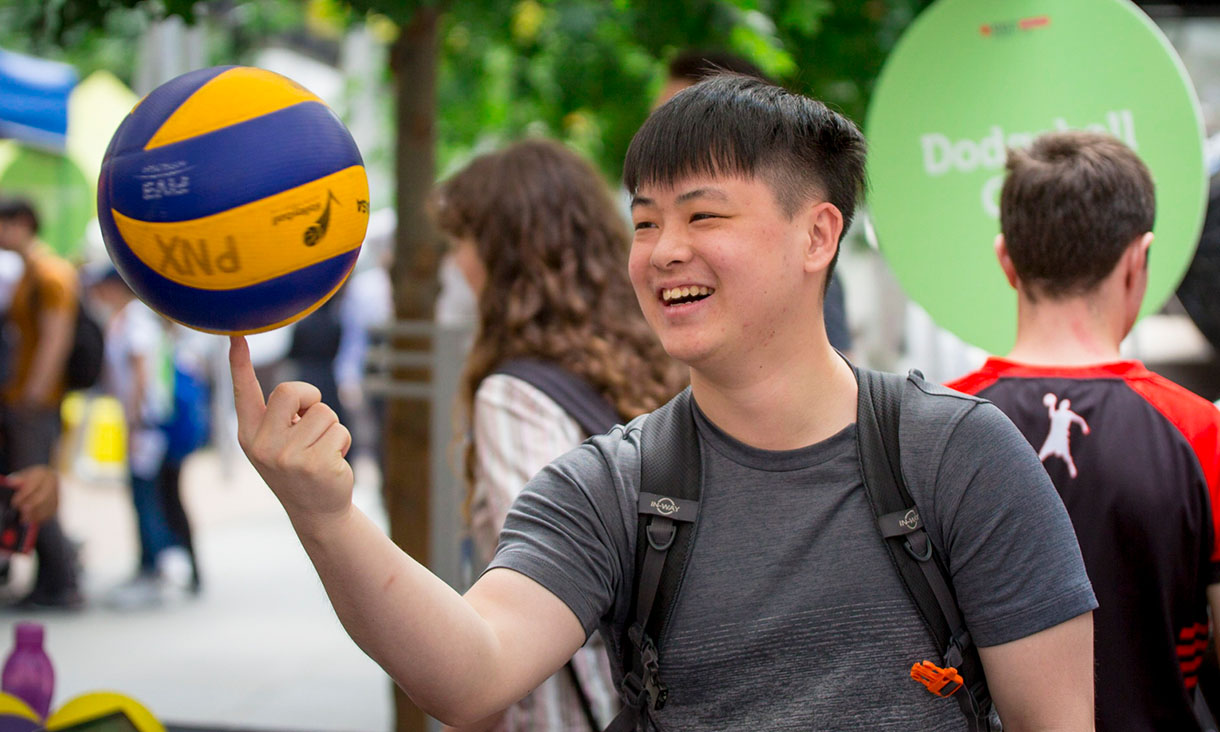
(577, 397)
(919, 566)
(594, 414)
(671, 481)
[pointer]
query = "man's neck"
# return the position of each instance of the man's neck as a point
(28, 249)
(1071, 332)
(783, 402)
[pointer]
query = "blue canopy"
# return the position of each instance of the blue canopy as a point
(34, 100)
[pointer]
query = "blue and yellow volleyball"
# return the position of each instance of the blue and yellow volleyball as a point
(233, 200)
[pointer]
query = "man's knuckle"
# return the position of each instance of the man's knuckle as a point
(285, 462)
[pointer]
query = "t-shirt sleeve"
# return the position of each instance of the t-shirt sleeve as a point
(566, 530)
(57, 289)
(1012, 552)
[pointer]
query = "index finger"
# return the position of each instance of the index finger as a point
(247, 394)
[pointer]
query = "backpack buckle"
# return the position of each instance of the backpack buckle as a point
(645, 689)
(942, 682)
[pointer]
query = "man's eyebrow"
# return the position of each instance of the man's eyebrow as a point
(715, 193)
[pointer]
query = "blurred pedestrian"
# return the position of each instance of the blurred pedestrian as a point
(314, 346)
(41, 320)
(137, 372)
(367, 303)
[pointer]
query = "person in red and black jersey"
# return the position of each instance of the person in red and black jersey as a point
(1135, 457)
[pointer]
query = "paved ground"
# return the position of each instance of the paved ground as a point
(260, 648)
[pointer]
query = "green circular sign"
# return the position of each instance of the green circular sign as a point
(58, 190)
(970, 79)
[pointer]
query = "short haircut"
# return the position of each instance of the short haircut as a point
(16, 208)
(1071, 205)
(732, 125)
(695, 66)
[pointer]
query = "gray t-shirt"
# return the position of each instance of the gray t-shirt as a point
(791, 614)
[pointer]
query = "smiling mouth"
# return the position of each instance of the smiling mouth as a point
(682, 295)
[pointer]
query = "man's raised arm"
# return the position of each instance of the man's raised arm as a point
(458, 658)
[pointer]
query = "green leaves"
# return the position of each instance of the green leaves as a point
(584, 71)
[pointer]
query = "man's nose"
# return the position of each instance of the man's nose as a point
(673, 247)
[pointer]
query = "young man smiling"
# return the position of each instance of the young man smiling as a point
(791, 615)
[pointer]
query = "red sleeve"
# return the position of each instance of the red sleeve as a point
(1199, 422)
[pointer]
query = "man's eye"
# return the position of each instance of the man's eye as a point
(639, 225)
(702, 216)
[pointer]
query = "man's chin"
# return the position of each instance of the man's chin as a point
(689, 354)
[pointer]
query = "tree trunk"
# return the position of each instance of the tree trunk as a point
(406, 481)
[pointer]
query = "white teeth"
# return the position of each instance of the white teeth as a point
(685, 292)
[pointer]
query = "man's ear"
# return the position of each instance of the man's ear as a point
(1137, 260)
(825, 226)
(1001, 253)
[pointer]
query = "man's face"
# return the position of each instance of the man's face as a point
(719, 268)
(9, 233)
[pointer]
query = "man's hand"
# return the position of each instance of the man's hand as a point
(294, 441)
(37, 493)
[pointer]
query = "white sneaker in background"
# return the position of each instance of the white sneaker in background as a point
(174, 568)
(145, 590)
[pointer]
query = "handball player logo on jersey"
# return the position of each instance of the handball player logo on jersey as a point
(1058, 441)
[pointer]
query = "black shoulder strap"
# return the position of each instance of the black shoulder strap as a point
(576, 396)
(594, 414)
(671, 482)
(922, 571)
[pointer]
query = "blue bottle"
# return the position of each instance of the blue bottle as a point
(27, 672)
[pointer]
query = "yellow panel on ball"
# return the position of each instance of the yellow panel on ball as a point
(237, 95)
(256, 242)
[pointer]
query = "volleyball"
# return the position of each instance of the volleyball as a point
(233, 200)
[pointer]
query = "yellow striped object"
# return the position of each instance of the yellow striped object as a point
(233, 200)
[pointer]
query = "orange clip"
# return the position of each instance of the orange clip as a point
(939, 681)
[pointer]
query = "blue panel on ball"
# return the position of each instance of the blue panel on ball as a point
(245, 309)
(144, 121)
(231, 166)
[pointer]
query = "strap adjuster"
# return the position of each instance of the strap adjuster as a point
(921, 538)
(646, 689)
(661, 534)
(958, 642)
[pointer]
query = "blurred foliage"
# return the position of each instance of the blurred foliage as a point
(584, 71)
(587, 71)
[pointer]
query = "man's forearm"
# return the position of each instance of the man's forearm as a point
(50, 355)
(423, 633)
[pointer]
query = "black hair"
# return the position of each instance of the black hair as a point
(695, 66)
(16, 208)
(733, 125)
(1071, 205)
